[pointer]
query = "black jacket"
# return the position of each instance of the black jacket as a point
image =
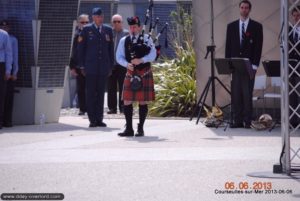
(252, 47)
(74, 54)
(95, 50)
(293, 50)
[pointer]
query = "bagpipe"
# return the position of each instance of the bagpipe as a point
(141, 47)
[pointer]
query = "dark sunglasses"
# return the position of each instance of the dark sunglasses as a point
(116, 22)
(84, 22)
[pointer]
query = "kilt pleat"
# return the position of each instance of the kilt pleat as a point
(146, 93)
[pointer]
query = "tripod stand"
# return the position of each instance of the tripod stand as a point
(209, 83)
(211, 80)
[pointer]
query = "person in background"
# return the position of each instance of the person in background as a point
(6, 58)
(244, 39)
(82, 20)
(116, 79)
(294, 56)
(10, 84)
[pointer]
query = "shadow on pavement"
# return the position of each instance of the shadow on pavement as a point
(52, 128)
(240, 132)
(147, 139)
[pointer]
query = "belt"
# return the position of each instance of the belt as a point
(146, 73)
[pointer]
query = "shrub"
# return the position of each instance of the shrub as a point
(175, 84)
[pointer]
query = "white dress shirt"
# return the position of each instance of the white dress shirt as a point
(120, 55)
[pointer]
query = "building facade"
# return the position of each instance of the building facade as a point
(44, 30)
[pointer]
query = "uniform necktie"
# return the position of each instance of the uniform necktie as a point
(243, 33)
(99, 29)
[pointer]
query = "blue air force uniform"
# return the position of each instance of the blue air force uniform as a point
(96, 57)
(96, 50)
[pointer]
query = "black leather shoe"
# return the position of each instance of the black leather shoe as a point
(236, 125)
(140, 131)
(93, 125)
(112, 112)
(81, 113)
(127, 133)
(101, 124)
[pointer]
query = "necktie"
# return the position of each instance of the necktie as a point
(115, 41)
(99, 29)
(133, 39)
(243, 33)
(296, 36)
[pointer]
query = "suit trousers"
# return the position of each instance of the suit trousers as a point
(2, 92)
(9, 101)
(80, 86)
(241, 98)
(115, 82)
(95, 90)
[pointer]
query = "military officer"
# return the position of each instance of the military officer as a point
(137, 61)
(82, 20)
(96, 57)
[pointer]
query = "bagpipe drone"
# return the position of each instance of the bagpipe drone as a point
(140, 46)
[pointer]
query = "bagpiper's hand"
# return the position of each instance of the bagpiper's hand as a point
(130, 66)
(136, 61)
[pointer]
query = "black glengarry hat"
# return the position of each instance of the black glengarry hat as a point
(134, 20)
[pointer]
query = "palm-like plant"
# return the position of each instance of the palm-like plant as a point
(175, 79)
(175, 84)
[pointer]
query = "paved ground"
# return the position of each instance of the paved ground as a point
(176, 161)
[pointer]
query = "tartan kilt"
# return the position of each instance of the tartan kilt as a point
(146, 93)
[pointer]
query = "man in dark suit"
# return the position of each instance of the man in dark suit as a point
(116, 79)
(294, 70)
(249, 46)
(96, 57)
(82, 20)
